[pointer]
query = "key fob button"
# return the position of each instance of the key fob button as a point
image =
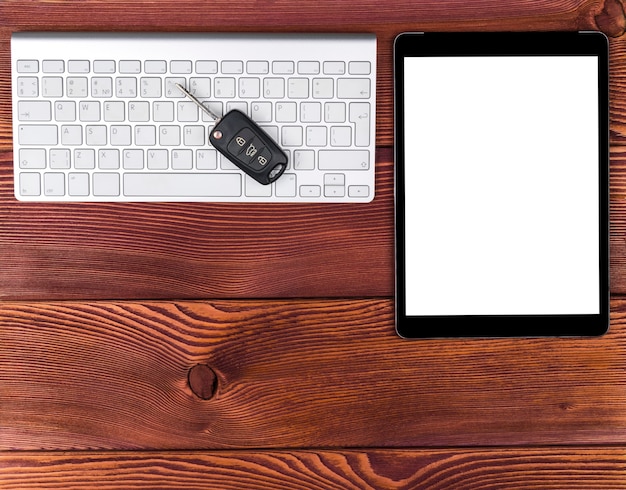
(259, 160)
(239, 143)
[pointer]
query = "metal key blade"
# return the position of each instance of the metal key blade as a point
(197, 102)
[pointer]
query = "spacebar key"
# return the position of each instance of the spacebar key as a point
(344, 160)
(182, 185)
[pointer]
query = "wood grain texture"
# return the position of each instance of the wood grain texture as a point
(318, 373)
(581, 468)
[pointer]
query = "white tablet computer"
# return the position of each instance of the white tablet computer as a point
(501, 184)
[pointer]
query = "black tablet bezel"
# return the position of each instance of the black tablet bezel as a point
(502, 44)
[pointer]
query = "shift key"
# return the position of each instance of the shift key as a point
(344, 160)
(38, 134)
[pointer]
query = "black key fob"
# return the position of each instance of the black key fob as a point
(245, 144)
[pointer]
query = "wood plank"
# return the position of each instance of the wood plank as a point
(319, 373)
(488, 469)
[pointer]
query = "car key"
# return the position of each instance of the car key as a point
(244, 143)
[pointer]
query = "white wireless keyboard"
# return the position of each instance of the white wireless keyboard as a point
(97, 117)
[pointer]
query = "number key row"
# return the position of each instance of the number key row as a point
(218, 87)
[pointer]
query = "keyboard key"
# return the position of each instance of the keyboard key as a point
(114, 111)
(360, 116)
(89, 111)
(286, 112)
(96, 135)
(60, 158)
(340, 136)
(106, 184)
(182, 185)
(353, 88)
(163, 111)
(104, 66)
(145, 135)
(232, 67)
(139, 111)
(303, 160)
(249, 88)
(316, 135)
(52, 87)
(71, 135)
(28, 110)
(76, 87)
(108, 159)
(28, 86)
(323, 88)
(359, 68)
(130, 66)
(157, 159)
(258, 67)
(224, 88)
(283, 67)
(155, 66)
(125, 87)
(343, 160)
(78, 184)
(311, 112)
(85, 159)
(310, 191)
(286, 185)
(193, 135)
(187, 112)
(53, 66)
(358, 191)
(132, 159)
(261, 112)
(32, 158)
(180, 66)
(206, 66)
(54, 184)
(101, 87)
(30, 184)
(298, 88)
(182, 159)
(200, 87)
(78, 66)
(120, 135)
(334, 191)
(150, 87)
(65, 110)
(292, 136)
(334, 179)
(206, 159)
(335, 112)
(27, 66)
(169, 135)
(274, 88)
(308, 67)
(42, 135)
(334, 68)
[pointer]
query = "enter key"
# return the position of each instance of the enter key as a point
(360, 116)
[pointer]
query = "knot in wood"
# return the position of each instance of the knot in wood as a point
(202, 381)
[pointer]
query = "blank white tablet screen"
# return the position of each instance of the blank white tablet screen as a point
(501, 185)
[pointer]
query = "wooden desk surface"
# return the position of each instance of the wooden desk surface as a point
(135, 351)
